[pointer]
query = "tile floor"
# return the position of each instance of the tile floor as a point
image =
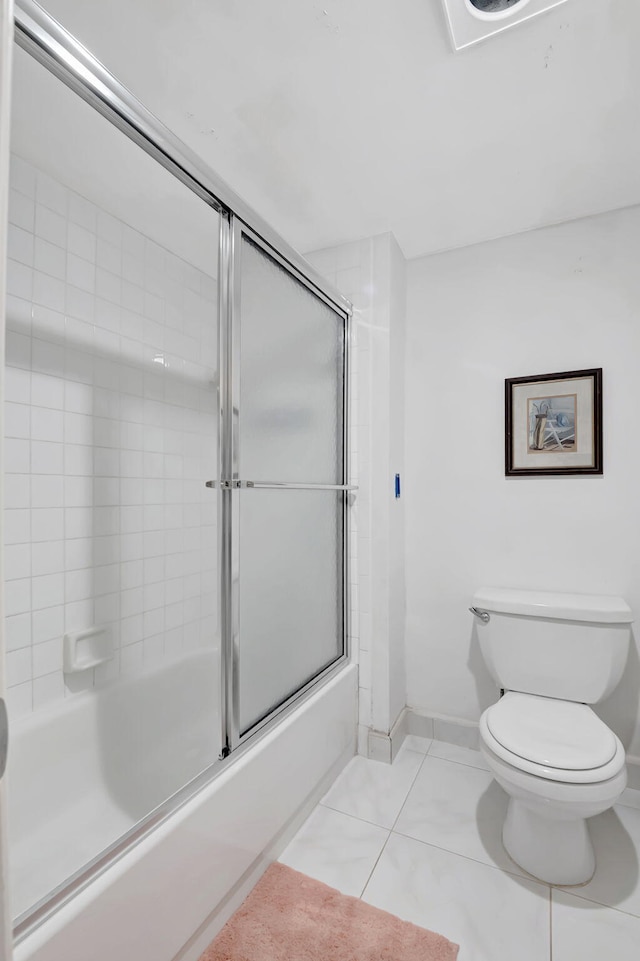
(421, 838)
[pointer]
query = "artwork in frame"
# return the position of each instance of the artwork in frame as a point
(553, 424)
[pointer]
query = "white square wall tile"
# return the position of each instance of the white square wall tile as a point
(19, 280)
(48, 558)
(18, 666)
(47, 424)
(21, 210)
(20, 700)
(20, 245)
(336, 849)
(47, 690)
(47, 624)
(493, 916)
(82, 212)
(51, 193)
(49, 258)
(50, 226)
(47, 591)
(18, 631)
(47, 657)
(22, 176)
(17, 526)
(17, 491)
(18, 597)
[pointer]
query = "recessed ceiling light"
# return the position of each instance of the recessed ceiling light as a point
(471, 21)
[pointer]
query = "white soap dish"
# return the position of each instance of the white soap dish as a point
(85, 649)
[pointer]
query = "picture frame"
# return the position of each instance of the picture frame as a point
(553, 424)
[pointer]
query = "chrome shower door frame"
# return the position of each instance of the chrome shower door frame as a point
(231, 484)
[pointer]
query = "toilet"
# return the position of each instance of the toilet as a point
(553, 655)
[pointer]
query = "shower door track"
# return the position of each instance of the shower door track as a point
(48, 42)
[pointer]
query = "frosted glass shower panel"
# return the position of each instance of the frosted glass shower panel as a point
(290, 594)
(290, 438)
(291, 380)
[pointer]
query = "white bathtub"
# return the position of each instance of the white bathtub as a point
(84, 773)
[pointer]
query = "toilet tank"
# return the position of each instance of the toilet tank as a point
(568, 646)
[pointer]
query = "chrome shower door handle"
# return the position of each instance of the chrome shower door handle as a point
(484, 616)
(276, 486)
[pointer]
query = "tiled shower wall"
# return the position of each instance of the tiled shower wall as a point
(111, 426)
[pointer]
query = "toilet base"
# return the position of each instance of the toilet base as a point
(558, 851)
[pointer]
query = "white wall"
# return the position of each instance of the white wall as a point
(561, 298)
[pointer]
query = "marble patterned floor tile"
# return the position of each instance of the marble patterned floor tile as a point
(458, 808)
(454, 752)
(492, 915)
(583, 931)
(372, 790)
(337, 849)
(616, 840)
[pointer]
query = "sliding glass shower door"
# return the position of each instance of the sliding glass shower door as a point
(286, 483)
(174, 382)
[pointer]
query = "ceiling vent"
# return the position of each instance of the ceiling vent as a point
(471, 21)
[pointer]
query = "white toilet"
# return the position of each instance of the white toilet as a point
(553, 654)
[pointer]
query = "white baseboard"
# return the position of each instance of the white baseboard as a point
(453, 730)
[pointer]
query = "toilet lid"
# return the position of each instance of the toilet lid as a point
(553, 733)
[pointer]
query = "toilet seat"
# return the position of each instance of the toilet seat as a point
(553, 739)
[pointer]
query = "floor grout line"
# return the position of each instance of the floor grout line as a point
(571, 892)
(354, 817)
(467, 857)
(550, 923)
(420, 766)
(382, 849)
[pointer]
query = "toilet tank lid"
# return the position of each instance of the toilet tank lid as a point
(598, 608)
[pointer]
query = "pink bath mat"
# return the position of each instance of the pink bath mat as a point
(290, 917)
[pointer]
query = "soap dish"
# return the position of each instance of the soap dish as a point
(85, 649)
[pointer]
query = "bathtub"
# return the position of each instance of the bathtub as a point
(83, 773)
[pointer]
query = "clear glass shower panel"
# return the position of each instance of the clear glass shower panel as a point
(290, 622)
(111, 535)
(291, 379)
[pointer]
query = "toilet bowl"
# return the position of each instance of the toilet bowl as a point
(568, 767)
(553, 655)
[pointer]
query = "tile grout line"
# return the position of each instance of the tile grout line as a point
(570, 892)
(375, 865)
(550, 923)
(354, 817)
(415, 778)
(467, 857)
(393, 825)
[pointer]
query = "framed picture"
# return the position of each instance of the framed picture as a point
(553, 424)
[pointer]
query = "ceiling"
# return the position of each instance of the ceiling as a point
(340, 119)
